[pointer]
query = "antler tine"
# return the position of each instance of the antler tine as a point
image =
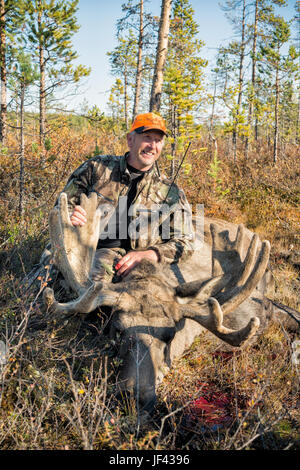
(237, 289)
(222, 243)
(213, 321)
(216, 267)
(249, 260)
(239, 293)
(202, 289)
(93, 297)
(239, 239)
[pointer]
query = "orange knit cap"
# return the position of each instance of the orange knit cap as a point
(148, 121)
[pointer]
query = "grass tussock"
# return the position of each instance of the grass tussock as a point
(59, 381)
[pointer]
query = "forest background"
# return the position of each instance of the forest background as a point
(241, 112)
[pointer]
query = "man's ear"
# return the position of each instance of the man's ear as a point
(130, 138)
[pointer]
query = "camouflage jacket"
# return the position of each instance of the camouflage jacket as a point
(160, 216)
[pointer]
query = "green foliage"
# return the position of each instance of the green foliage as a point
(48, 143)
(3, 150)
(238, 122)
(214, 173)
(183, 80)
(50, 26)
(24, 72)
(123, 64)
(34, 147)
(116, 100)
(13, 233)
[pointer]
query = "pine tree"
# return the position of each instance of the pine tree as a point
(116, 100)
(183, 86)
(24, 75)
(278, 65)
(238, 49)
(142, 24)
(11, 18)
(123, 65)
(263, 9)
(50, 28)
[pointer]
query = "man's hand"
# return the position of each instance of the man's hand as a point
(78, 216)
(131, 259)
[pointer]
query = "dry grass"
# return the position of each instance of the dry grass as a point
(58, 387)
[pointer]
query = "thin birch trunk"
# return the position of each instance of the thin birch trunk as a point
(161, 54)
(139, 63)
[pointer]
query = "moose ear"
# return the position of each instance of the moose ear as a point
(201, 290)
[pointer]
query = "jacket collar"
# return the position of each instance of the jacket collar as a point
(125, 174)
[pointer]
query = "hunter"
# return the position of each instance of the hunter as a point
(151, 218)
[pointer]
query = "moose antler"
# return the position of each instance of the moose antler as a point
(226, 256)
(235, 273)
(73, 250)
(74, 246)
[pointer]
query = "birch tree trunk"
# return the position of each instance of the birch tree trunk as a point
(161, 54)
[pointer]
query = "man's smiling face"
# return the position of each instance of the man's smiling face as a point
(145, 148)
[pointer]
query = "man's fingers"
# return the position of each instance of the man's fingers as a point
(126, 268)
(79, 216)
(76, 221)
(125, 264)
(80, 209)
(129, 261)
(122, 261)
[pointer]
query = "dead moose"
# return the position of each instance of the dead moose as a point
(158, 311)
